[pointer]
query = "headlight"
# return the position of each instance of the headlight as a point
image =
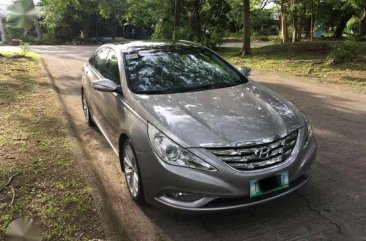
(308, 130)
(173, 154)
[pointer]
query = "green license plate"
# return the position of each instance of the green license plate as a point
(269, 184)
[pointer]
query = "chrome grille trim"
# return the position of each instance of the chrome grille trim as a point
(245, 158)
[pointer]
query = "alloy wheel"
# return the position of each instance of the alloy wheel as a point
(131, 171)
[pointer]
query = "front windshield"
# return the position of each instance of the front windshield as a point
(158, 71)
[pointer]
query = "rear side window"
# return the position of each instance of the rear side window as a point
(111, 69)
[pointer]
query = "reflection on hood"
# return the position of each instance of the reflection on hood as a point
(229, 116)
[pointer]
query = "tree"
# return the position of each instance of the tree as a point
(246, 50)
(362, 30)
(65, 18)
(284, 29)
(113, 11)
(23, 15)
(203, 21)
(335, 14)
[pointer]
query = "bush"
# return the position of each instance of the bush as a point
(275, 38)
(14, 32)
(345, 53)
(213, 38)
(30, 39)
(352, 26)
(24, 49)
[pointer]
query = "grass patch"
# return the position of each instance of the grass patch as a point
(35, 144)
(306, 59)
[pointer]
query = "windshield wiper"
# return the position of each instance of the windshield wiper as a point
(183, 90)
(209, 87)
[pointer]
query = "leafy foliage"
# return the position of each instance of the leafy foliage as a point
(22, 14)
(24, 49)
(344, 53)
(203, 21)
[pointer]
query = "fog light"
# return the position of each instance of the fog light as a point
(184, 197)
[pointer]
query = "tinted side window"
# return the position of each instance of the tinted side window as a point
(93, 60)
(97, 61)
(111, 68)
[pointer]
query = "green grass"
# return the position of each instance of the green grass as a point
(35, 144)
(307, 59)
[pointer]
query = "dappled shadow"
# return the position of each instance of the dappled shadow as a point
(355, 79)
(15, 80)
(337, 179)
(71, 85)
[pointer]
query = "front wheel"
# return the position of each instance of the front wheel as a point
(132, 173)
(86, 109)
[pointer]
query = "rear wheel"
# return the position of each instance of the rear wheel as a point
(86, 109)
(132, 173)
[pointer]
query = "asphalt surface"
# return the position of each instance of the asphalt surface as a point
(332, 204)
(253, 44)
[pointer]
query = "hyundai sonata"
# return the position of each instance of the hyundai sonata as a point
(192, 132)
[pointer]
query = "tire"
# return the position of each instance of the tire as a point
(86, 110)
(132, 172)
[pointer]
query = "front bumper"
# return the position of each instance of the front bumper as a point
(226, 189)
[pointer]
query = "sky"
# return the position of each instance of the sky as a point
(5, 3)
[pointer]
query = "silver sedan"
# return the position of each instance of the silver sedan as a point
(192, 132)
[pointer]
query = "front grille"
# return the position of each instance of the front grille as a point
(251, 157)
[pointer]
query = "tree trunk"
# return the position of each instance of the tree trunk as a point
(284, 29)
(177, 12)
(311, 36)
(363, 24)
(36, 22)
(314, 17)
(294, 22)
(38, 29)
(307, 27)
(342, 25)
(302, 24)
(196, 23)
(246, 50)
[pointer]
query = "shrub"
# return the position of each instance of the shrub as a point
(275, 38)
(14, 32)
(344, 53)
(353, 25)
(213, 38)
(24, 49)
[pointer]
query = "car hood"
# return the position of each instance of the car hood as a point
(230, 116)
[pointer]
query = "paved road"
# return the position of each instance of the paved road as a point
(253, 44)
(333, 201)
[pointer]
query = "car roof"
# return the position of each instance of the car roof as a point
(142, 45)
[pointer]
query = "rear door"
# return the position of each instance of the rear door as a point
(92, 72)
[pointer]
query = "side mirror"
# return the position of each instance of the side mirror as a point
(245, 70)
(106, 85)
